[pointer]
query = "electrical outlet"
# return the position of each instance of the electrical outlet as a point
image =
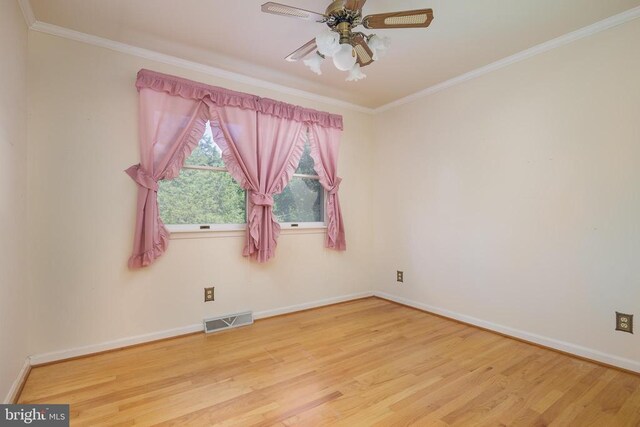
(209, 294)
(400, 276)
(624, 322)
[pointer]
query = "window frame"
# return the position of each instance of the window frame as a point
(208, 228)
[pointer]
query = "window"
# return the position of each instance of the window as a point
(205, 196)
(204, 193)
(302, 200)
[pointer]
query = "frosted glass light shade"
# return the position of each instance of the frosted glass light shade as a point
(345, 58)
(355, 74)
(314, 63)
(378, 45)
(328, 43)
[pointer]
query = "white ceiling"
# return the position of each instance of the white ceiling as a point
(234, 35)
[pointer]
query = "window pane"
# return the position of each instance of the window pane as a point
(201, 197)
(301, 201)
(305, 166)
(207, 153)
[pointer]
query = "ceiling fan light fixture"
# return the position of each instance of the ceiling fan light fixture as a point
(355, 74)
(314, 63)
(328, 43)
(345, 58)
(378, 45)
(349, 49)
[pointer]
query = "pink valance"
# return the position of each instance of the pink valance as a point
(189, 89)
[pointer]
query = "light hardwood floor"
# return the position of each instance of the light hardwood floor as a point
(365, 362)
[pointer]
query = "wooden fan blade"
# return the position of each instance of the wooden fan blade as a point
(294, 12)
(302, 51)
(355, 4)
(363, 53)
(418, 18)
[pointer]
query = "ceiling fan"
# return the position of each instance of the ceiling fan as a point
(349, 49)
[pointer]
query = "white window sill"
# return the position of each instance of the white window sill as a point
(238, 230)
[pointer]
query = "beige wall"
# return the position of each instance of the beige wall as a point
(514, 198)
(510, 199)
(13, 200)
(83, 134)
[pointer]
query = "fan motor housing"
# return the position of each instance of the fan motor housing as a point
(335, 7)
(338, 13)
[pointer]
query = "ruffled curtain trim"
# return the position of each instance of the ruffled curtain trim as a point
(147, 258)
(229, 160)
(188, 144)
(193, 90)
(314, 152)
(333, 229)
(290, 168)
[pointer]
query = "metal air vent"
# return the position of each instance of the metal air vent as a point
(221, 323)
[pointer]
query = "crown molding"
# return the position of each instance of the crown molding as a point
(67, 33)
(27, 12)
(589, 30)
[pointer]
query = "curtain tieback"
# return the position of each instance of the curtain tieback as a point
(335, 187)
(142, 177)
(261, 199)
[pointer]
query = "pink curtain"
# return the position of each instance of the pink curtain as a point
(261, 152)
(324, 151)
(261, 140)
(169, 129)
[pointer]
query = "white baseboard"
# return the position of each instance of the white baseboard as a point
(308, 305)
(139, 339)
(577, 350)
(17, 384)
(111, 345)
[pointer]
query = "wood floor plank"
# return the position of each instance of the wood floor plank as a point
(364, 362)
